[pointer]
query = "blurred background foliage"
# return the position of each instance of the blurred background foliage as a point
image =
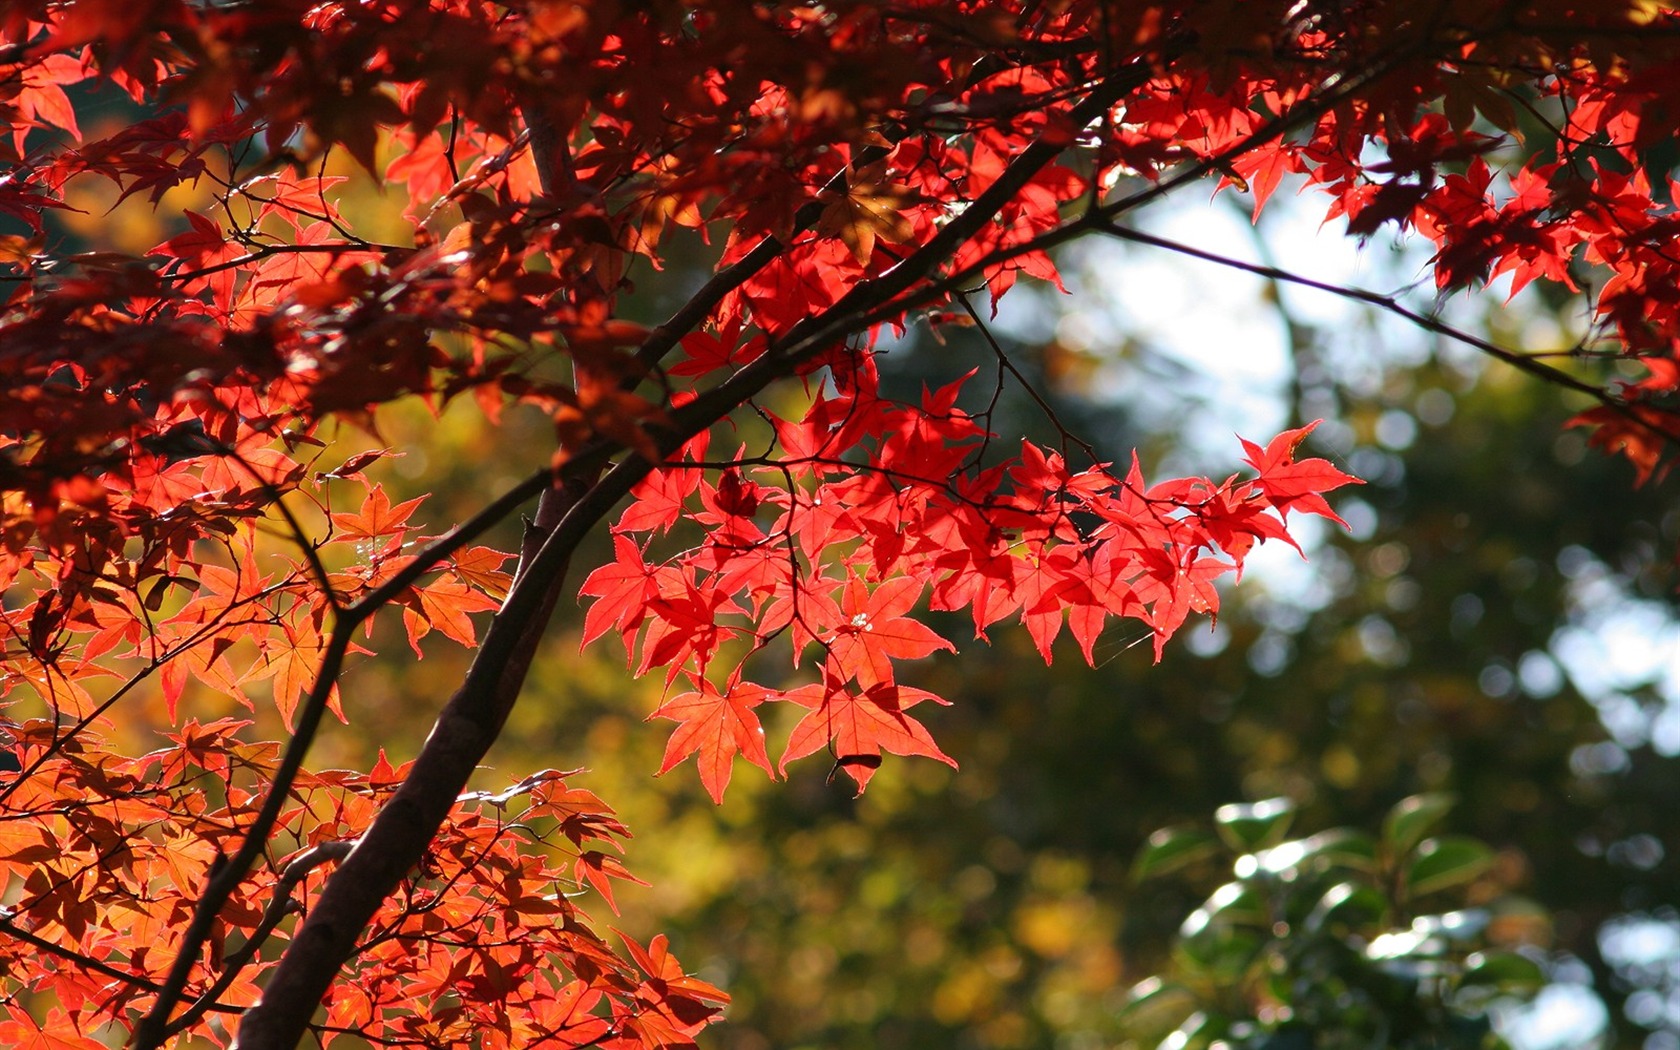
(1335, 939)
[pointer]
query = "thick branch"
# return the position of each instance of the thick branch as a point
(225, 879)
(405, 825)
(463, 732)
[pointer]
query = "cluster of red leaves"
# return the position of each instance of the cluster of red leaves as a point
(799, 542)
(115, 851)
(862, 164)
(106, 855)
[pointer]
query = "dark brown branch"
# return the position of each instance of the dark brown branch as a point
(399, 834)
(280, 905)
(463, 732)
(151, 1031)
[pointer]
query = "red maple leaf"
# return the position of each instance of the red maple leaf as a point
(874, 630)
(689, 1001)
(1641, 434)
(623, 587)
(1292, 485)
(715, 726)
(857, 726)
(376, 517)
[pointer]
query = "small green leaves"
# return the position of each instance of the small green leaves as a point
(1255, 825)
(1413, 818)
(1172, 849)
(1317, 935)
(1449, 861)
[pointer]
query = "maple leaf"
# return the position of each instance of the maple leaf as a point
(54, 1033)
(1041, 584)
(480, 567)
(599, 870)
(622, 588)
(874, 631)
(714, 727)
(684, 624)
(1636, 432)
(1096, 593)
(856, 726)
(1292, 485)
(1174, 591)
(707, 353)
(444, 604)
(205, 246)
(581, 813)
(864, 213)
(376, 518)
(689, 1000)
(659, 500)
(42, 101)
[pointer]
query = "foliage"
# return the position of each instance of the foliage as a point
(1321, 940)
(193, 534)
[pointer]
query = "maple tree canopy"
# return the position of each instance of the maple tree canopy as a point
(181, 519)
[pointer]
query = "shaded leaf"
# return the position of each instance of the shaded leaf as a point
(1173, 849)
(1154, 1005)
(1506, 971)
(1254, 825)
(1412, 819)
(1447, 861)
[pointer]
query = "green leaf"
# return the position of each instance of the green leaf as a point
(1255, 825)
(1220, 953)
(1198, 1031)
(1413, 944)
(1234, 903)
(1412, 818)
(1344, 848)
(1347, 904)
(1461, 926)
(1172, 849)
(1507, 971)
(1447, 861)
(1336, 848)
(1154, 1006)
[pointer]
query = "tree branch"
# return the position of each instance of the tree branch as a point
(152, 1029)
(279, 906)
